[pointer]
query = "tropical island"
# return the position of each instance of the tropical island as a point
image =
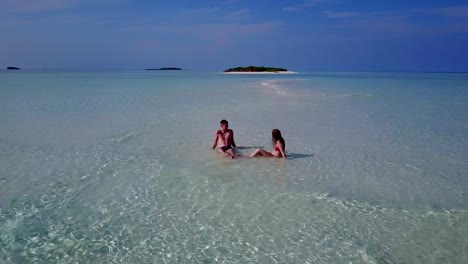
(12, 68)
(164, 69)
(256, 69)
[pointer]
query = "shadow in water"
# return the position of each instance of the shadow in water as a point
(249, 147)
(298, 155)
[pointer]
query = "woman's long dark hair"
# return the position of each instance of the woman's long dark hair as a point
(275, 136)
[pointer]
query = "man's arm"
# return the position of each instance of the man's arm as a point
(215, 141)
(232, 139)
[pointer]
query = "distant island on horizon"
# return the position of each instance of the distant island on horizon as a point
(12, 68)
(256, 69)
(164, 69)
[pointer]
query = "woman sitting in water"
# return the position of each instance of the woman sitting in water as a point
(279, 147)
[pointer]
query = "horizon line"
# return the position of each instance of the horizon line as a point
(200, 70)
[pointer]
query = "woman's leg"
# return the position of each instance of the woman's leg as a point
(261, 152)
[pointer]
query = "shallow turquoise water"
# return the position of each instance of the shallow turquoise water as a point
(116, 167)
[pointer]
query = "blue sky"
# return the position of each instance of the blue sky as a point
(344, 35)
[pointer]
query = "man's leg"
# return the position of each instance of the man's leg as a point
(227, 152)
(231, 153)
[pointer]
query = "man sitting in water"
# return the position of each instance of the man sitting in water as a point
(225, 138)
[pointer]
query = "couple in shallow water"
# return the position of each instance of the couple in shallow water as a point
(224, 137)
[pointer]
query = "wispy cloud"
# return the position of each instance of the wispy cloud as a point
(213, 34)
(213, 14)
(307, 4)
(402, 22)
(235, 28)
(228, 2)
(291, 8)
(238, 15)
(222, 35)
(211, 29)
(56, 19)
(340, 14)
(147, 44)
(201, 12)
(459, 11)
(76, 19)
(37, 5)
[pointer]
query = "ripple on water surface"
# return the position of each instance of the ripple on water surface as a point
(109, 206)
(360, 185)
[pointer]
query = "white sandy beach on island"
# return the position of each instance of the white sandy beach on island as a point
(279, 72)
